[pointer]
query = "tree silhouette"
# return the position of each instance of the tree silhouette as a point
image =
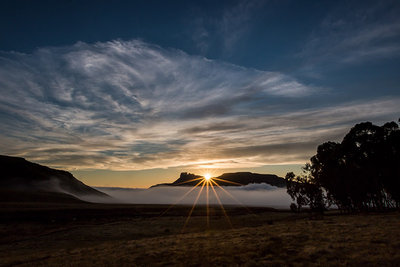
(360, 173)
(305, 191)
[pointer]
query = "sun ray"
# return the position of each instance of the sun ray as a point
(179, 200)
(194, 204)
(220, 203)
(206, 181)
(226, 181)
(232, 197)
(207, 203)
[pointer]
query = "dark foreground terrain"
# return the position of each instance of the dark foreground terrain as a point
(79, 234)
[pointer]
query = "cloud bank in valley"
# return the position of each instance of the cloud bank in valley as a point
(130, 105)
(250, 195)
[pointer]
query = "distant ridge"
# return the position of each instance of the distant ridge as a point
(237, 179)
(32, 179)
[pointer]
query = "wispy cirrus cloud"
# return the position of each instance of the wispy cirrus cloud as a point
(354, 34)
(129, 105)
(226, 29)
(236, 21)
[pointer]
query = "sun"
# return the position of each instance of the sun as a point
(209, 184)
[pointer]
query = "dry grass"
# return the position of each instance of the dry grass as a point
(265, 239)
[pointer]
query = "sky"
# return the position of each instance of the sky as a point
(131, 93)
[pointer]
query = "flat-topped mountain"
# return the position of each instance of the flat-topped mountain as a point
(20, 175)
(230, 179)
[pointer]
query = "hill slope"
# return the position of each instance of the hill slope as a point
(231, 179)
(18, 174)
(18, 196)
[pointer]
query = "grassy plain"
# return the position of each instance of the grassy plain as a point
(74, 234)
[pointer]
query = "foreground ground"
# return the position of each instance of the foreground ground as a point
(102, 235)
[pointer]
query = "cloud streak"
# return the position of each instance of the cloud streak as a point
(353, 34)
(129, 105)
(225, 31)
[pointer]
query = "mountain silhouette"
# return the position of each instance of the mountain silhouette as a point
(30, 180)
(231, 179)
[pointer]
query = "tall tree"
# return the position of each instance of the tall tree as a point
(360, 173)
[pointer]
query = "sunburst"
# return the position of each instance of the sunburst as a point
(207, 182)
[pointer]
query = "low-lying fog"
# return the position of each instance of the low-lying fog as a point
(249, 195)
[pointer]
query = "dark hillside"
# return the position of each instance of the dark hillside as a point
(18, 174)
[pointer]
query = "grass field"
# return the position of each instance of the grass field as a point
(128, 235)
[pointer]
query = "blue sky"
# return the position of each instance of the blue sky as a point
(131, 94)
